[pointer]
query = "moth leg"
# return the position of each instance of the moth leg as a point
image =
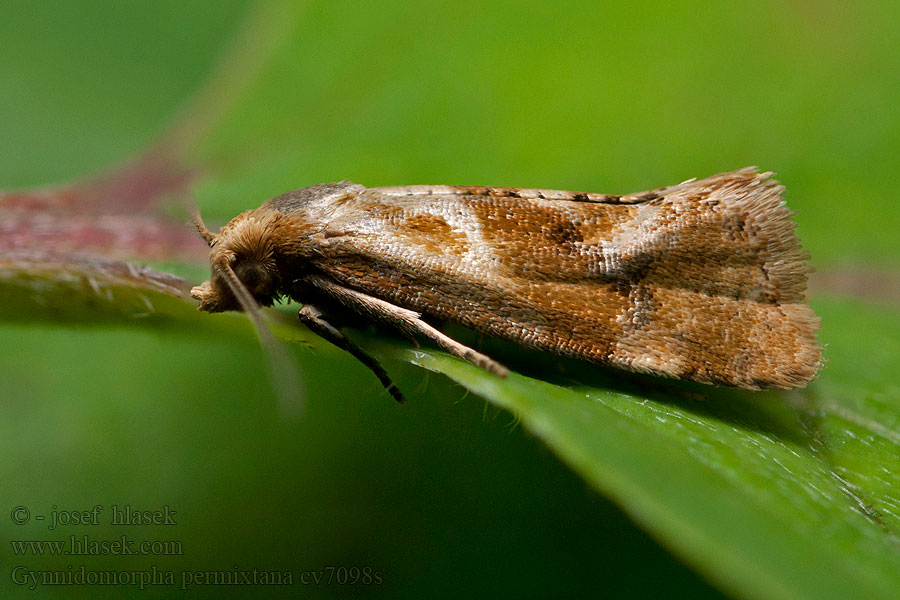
(406, 321)
(313, 318)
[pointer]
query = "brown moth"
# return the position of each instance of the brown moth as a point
(704, 280)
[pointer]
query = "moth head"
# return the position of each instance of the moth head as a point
(243, 275)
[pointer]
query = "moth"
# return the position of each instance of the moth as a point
(704, 280)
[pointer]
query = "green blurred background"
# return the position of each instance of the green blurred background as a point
(446, 494)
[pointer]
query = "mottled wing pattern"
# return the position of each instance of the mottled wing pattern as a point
(704, 280)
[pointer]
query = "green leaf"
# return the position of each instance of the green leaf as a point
(87, 290)
(775, 495)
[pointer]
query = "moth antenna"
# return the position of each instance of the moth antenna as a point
(282, 370)
(197, 222)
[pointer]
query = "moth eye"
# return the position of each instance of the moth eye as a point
(250, 277)
(256, 278)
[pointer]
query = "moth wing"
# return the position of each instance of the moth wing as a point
(704, 280)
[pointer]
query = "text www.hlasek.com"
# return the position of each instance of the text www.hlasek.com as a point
(84, 545)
